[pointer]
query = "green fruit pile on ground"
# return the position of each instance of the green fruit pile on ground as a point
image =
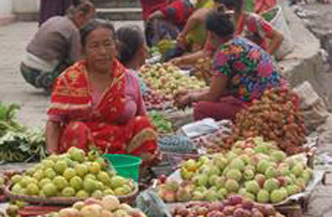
(108, 206)
(73, 174)
(255, 169)
(166, 79)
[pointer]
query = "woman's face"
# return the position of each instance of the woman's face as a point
(100, 49)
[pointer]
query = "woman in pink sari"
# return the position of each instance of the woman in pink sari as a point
(97, 103)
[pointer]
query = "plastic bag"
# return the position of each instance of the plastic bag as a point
(279, 22)
(312, 106)
(152, 205)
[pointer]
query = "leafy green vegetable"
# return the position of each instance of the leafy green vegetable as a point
(18, 143)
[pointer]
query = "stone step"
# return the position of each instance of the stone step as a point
(120, 13)
(116, 3)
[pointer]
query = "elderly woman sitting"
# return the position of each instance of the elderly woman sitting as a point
(97, 102)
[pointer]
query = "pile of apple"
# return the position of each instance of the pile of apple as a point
(154, 101)
(235, 206)
(167, 79)
(108, 206)
(276, 117)
(73, 174)
(253, 168)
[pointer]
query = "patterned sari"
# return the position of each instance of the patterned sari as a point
(86, 123)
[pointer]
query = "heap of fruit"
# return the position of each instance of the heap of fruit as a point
(276, 117)
(154, 101)
(167, 79)
(253, 168)
(214, 141)
(154, 51)
(166, 45)
(203, 67)
(235, 206)
(108, 206)
(162, 124)
(72, 174)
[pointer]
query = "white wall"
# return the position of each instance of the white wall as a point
(5, 8)
(25, 6)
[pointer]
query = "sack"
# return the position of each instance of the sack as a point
(312, 106)
(280, 23)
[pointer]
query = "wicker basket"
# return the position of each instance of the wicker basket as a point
(130, 199)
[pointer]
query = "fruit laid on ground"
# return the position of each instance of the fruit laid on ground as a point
(255, 169)
(162, 124)
(235, 206)
(108, 206)
(275, 117)
(73, 174)
(154, 101)
(213, 142)
(167, 79)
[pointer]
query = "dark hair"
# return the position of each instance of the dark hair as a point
(83, 6)
(220, 23)
(93, 25)
(130, 39)
(235, 5)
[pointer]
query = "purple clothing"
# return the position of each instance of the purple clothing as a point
(134, 105)
(50, 8)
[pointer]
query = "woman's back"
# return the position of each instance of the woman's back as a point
(249, 68)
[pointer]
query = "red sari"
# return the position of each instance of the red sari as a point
(86, 124)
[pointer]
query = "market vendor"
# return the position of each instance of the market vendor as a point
(132, 50)
(248, 25)
(97, 103)
(55, 46)
(241, 72)
(167, 21)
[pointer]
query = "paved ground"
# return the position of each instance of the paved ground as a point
(13, 40)
(319, 22)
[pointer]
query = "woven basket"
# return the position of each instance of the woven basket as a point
(63, 200)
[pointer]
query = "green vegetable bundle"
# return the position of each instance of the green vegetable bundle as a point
(18, 143)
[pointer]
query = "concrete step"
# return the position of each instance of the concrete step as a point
(116, 3)
(120, 13)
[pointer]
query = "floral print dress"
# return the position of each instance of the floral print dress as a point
(249, 68)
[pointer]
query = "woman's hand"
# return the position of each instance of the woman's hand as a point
(182, 102)
(181, 39)
(182, 99)
(178, 61)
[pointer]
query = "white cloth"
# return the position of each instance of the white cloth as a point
(35, 62)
